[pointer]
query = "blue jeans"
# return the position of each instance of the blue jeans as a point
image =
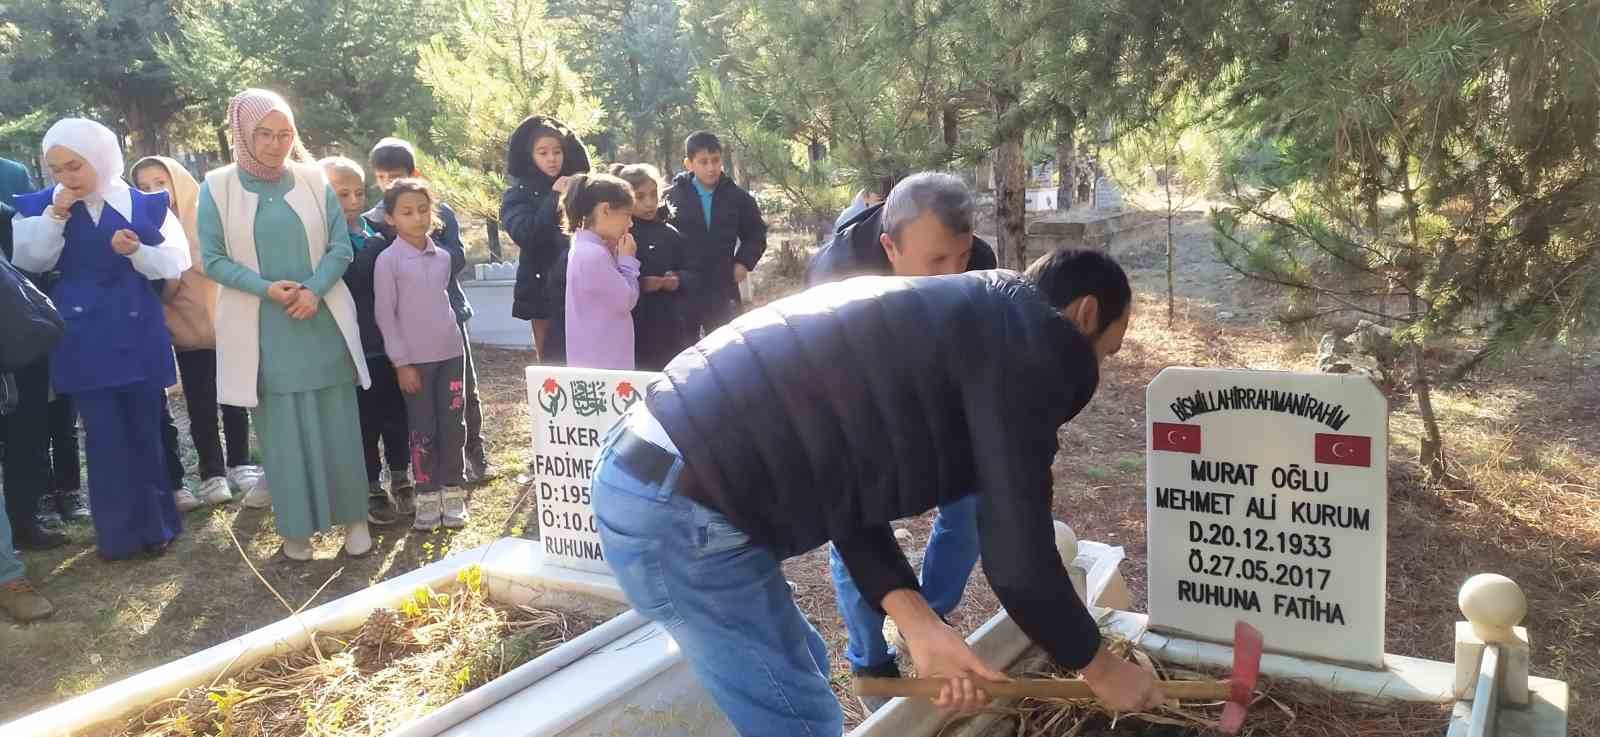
(11, 567)
(951, 553)
(723, 599)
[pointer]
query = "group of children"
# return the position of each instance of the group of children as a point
(251, 285)
(619, 270)
(423, 404)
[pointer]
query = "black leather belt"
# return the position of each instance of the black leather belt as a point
(641, 458)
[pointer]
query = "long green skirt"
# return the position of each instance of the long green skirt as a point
(311, 450)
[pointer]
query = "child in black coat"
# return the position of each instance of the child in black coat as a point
(541, 156)
(661, 319)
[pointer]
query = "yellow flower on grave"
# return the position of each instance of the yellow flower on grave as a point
(472, 578)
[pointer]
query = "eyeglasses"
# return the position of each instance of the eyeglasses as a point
(282, 137)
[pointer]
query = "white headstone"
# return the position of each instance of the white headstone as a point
(1267, 501)
(571, 410)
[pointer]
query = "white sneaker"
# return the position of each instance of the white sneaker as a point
(297, 548)
(430, 510)
(259, 496)
(455, 507)
(215, 490)
(186, 501)
(357, 539)
(244, 478)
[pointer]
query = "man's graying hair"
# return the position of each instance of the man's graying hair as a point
(946, 195)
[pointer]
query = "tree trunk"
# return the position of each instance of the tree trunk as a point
(1066, 160)
(640, 130)
(950, 123)
(669, 144)
(1432, 454)
(224, 151)
(1167, 187)
(1010, 184)
(494, 240)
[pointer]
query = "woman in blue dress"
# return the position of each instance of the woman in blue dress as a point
(107, 242)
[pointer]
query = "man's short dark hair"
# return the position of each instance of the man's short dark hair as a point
(1069, 273)
(393, 154)
(701, 141)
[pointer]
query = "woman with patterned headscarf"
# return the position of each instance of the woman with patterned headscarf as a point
(272, 235)
(107, 242)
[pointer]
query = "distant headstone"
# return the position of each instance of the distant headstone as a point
(1267, 502)
(571, 411)
(1106, 195)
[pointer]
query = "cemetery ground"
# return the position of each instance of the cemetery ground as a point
(1521, 437)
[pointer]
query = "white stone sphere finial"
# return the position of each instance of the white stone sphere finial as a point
(1493, 604)
(1066, 543)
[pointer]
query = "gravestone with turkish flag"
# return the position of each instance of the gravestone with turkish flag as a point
(571, 410)
(1267, 501)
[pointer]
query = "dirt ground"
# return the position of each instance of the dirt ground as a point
(1520, 438)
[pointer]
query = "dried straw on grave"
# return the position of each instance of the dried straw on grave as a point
(399, 665)
(1280, 709)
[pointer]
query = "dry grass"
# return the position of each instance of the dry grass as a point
(398, 666)
(1278, 708)
(116, 619)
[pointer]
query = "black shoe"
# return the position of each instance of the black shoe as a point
(48, 519)
(34, 537)
(886, 670)
(151, 552)
(72, 505)
(381, 511)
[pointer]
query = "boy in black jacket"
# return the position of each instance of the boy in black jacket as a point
(723, 227)
(661, 326)
(542, 153)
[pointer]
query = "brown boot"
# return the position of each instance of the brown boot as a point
(24, 604)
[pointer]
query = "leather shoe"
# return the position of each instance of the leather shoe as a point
(33, 537)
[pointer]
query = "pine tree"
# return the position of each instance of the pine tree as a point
(75, 57)
(1433, 166)
(348, 66)
(830, 96)
(635, 58)
(498, 63)
(1173, 156)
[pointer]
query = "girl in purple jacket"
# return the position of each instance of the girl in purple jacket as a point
(602, 272)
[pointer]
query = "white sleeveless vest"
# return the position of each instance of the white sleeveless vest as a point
(238, 316)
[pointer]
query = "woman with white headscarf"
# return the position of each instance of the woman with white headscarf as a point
(107, 242)
(288, 346)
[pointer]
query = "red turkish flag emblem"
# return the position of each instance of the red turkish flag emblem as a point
(1175, 437)
(1344, 450)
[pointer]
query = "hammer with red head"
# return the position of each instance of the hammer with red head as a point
(1235, 692)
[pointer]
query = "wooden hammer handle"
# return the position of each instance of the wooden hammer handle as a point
(1044, 688)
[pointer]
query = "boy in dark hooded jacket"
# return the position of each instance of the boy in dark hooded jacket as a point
(541, 155)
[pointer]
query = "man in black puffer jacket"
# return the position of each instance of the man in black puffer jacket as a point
(924, 228)
(824, 417)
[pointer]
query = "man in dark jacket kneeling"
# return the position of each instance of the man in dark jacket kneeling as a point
(824, 417)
